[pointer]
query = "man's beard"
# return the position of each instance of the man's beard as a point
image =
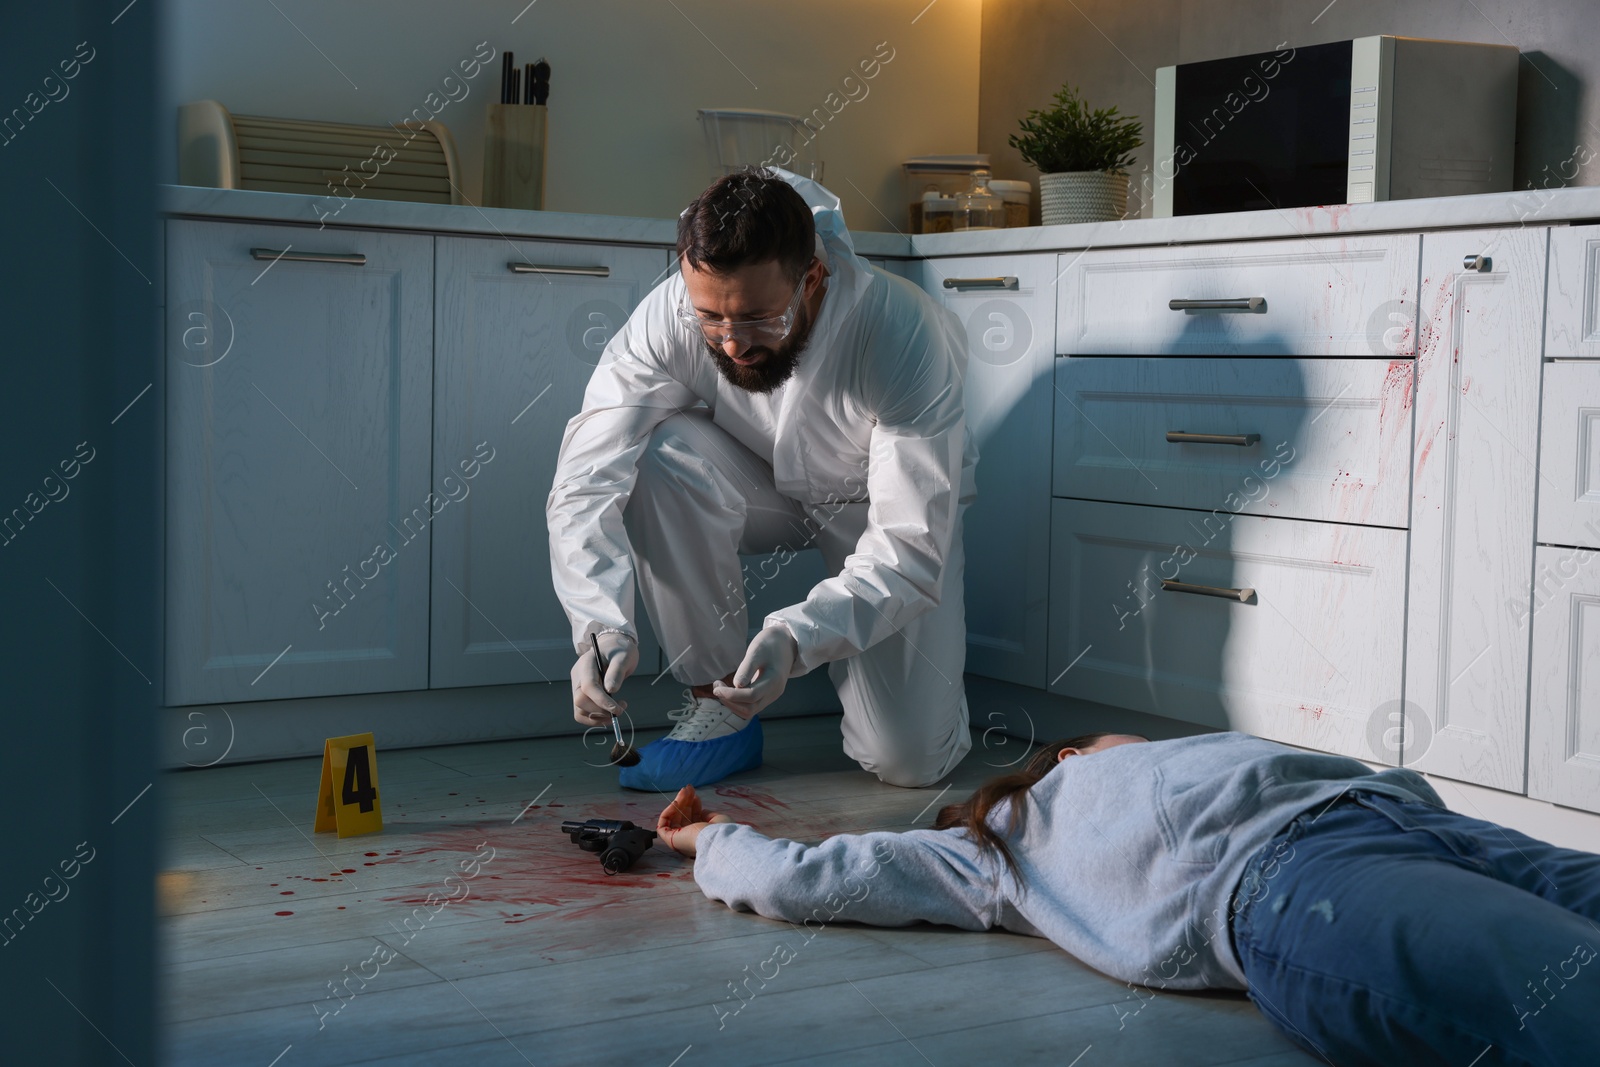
(773, 370)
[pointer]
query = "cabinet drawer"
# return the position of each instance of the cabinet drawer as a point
(1334, 435)
(1342, 296)
(1309, 659)
(1572, 319)
(1569, 455)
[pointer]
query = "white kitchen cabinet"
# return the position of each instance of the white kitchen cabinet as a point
(298, 430)
(1326, 439)
(904, 268)
(1563, 605)
(1286, 629)
(1310, 296)
(520, 328)
(1564, 727)
(1008, 308)
(1472, 506)
(1572, 323)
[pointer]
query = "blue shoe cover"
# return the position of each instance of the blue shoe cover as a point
(667, 765)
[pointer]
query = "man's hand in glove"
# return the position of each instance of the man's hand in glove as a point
(762, 676)
(592, 703)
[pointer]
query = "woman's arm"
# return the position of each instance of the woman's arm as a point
(884, 879)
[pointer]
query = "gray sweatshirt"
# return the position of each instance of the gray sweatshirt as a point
(1128, 857)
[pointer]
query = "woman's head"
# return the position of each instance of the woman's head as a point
(972, 814)
(1101, 742)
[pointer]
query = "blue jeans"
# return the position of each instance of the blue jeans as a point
(1379, 931)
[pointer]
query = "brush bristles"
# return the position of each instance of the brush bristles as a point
(623, 755)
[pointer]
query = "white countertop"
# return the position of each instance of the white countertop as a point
(1531, 207)
(332, 211)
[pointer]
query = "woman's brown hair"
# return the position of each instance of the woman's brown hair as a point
(972, 814)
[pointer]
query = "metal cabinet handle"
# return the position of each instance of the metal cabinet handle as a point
(538, 268)
(354, 259)
(1477, 263)
(1183, 437)
(1241, 595)
(1233, 303)
(1007, 282)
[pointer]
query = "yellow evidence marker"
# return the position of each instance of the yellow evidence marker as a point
(353, 762)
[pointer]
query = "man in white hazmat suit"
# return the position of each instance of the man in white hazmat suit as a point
(775, 393)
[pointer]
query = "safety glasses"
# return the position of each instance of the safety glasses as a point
(750, 331)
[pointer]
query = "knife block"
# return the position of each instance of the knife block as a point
(513, 156)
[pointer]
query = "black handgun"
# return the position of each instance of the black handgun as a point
(620, 843)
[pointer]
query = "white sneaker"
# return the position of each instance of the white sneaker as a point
(704, 718)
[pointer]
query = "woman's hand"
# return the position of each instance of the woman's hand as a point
(683, 819)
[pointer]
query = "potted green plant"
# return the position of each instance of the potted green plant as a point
(1083, 157)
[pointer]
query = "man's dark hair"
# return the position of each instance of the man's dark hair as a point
(749, 216)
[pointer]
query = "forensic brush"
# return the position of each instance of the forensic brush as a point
(622, 753)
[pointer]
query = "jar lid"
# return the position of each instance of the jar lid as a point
(1005, 185)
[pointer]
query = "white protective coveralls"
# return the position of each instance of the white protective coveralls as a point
(863, 453)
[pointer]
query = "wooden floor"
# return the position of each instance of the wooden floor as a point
(545, 960)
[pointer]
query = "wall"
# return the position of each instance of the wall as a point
(1111, 51)
(80, 540)
(627, 77)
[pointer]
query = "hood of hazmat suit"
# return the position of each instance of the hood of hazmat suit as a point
(874, 411)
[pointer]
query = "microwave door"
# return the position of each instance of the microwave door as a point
(1270, 130)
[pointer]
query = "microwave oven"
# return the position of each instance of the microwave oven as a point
(1351, 122)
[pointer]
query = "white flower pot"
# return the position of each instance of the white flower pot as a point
(1082, 196)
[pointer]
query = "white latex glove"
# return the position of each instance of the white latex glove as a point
(762, 676)
(592, 703)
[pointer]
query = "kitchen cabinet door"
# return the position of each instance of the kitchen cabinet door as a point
(1564, 727)
(1572, 322)
(904, 268)
(297, 443)
(514, 350)
(1474, 475)
(1007, 304)
(1569, 454)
